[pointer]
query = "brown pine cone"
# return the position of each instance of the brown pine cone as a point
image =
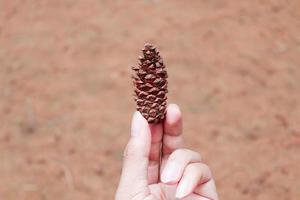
(150, 82)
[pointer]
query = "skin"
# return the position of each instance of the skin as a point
(156, 166)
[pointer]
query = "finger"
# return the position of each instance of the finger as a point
(135, 164)
(172, 138)
(194, 174)
(208, 189)
(176, 164)
(195, 197)
(155, 152)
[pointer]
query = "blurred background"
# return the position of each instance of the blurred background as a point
(66, 93)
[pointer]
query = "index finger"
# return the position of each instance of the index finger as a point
(172, 138)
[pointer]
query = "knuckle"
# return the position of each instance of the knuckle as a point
(186, 153)
(193, 167)
(201, 170)
(179, 152)
(175, 154)
(197, 156)
(205, 167)
(206, 171)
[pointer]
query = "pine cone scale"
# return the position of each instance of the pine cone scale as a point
(150, 81)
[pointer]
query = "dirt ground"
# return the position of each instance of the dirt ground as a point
(66, 94)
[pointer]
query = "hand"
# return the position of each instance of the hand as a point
(156, 167)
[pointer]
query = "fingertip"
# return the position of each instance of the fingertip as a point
(173, 105)
(173, 115)
(138, 123)
(173, 121)
(137, 116)
(172, 172)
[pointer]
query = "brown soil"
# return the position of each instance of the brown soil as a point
(66, 104)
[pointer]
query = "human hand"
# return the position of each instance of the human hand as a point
(156, 167)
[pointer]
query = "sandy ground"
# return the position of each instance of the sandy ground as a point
(66, 104)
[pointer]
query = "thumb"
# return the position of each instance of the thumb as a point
(135, 163)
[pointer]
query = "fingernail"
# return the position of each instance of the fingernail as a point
(182, 189)
(170, 173)
(136, 124)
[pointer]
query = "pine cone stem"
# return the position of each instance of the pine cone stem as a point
(150, 85)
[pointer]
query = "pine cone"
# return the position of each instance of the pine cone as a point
(150, 82)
